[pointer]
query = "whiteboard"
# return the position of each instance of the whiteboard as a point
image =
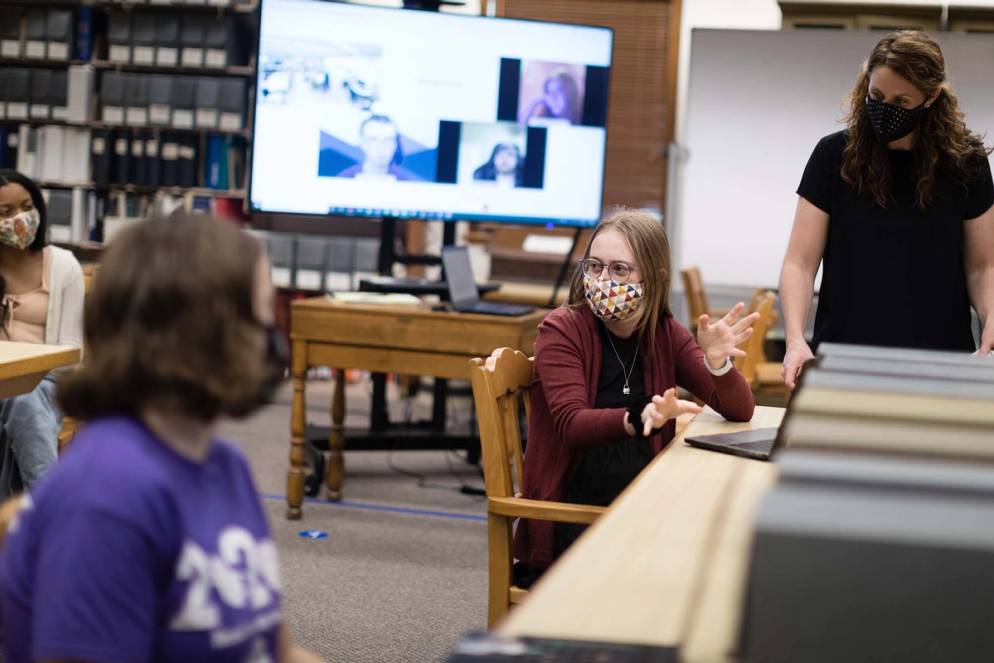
(758, 102)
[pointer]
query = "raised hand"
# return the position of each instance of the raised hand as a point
(663, 408)
(720, 340)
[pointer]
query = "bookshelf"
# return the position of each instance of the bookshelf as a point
(210, 123)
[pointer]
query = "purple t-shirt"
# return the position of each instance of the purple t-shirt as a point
(127, 551)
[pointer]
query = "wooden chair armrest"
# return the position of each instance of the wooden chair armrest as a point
(560, 512)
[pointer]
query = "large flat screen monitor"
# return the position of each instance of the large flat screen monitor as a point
(371, 111)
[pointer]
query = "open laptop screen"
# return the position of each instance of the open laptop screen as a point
(459, 274)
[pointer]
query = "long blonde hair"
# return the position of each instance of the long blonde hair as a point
(645, 235)
(943, 138)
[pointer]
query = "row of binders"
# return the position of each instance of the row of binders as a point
(43, 34)
(189, 3)
(45, 94)
(72, 214)
(151, 158)
(180, 102)
(877, 541)
(163, 40)
(50, 153)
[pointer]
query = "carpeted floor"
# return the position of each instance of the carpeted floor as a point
(402, 572)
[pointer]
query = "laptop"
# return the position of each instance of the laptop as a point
(758, 443)
(463, 293)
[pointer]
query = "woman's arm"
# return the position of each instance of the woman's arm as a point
(562, 368)
(797, 278)
(978, 261)
(70, 331)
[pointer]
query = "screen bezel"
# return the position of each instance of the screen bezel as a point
(486, 218)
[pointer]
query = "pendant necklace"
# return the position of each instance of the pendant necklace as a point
(626, 390)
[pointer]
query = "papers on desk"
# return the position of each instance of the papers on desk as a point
(386, 298)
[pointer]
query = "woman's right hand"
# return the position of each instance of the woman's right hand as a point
(798, 353)
(663, 408)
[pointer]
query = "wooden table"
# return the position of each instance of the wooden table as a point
(412, 340)
(666, 565)
(23, 365)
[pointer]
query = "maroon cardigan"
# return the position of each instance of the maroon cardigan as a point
(564, 421)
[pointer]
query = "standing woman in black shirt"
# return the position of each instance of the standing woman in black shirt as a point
(898, 209)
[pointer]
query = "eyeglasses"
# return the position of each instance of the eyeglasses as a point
(619, 271)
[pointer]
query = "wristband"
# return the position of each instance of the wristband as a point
(721, 371)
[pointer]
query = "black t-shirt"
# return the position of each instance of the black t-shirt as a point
(894, 276)
(601, 473)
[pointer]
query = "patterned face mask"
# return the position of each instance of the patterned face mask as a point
(610, 300)
(891, 122)
(19, 231)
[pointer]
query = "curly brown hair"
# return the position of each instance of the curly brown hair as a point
(170, 323)
(645, 234)
(943, 137)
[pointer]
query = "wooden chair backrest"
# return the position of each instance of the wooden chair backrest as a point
(501, 386)
(697, 298)
(763, 302)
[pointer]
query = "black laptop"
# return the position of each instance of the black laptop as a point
(758, 443)
(463, 293)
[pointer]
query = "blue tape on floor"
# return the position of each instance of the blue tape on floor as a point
(383, 508)
(315, 534)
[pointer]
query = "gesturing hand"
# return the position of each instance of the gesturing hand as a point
(663, 408)
(720, 340)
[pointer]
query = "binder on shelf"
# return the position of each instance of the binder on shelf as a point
(58, 96)
(192, 37)
(153, 165)
(139, 165)
(167, 45)
(18, 92)
(112, 97)
(216, 164)
(58, 34)
(136, 101)
(35, 34)
(83, 49)
(169, 156)
(80, 91)
(187, 160)
(27, 150)
(208, 102)
(76, 166)
(51, 153)
(219, 42)
(41, 86)
(122, 157)
(100, 156)
(199, 3)
(160, 90)
(59, 217)
(9, 140)
(83, 214)
(219, 3)
(119, 38)
(3, 93)
(184, 95)
(232, 104)
(143, 39)
(11, 19)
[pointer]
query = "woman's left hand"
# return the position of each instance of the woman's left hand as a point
(720, 340)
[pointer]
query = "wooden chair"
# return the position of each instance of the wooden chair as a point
(500, 387)
(697, 297)
(763, 302)
(8, 511)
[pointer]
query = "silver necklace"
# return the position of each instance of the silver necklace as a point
(626, 390)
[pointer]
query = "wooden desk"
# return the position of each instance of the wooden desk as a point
(23, 365)
(666, 565)
(411, 340)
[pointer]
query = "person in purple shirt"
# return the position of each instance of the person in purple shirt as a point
(381, 152)
(147, 540)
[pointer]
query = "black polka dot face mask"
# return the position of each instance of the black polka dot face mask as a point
(892, 122)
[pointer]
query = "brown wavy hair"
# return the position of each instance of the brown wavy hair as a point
(646, 236)
(943, 138)
(170, 323)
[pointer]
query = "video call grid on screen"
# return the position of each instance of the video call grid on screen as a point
(373, 111)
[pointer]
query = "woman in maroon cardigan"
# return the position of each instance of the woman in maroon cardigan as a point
(606, 367)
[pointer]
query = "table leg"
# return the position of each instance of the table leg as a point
(335, 471)
(298, 425)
